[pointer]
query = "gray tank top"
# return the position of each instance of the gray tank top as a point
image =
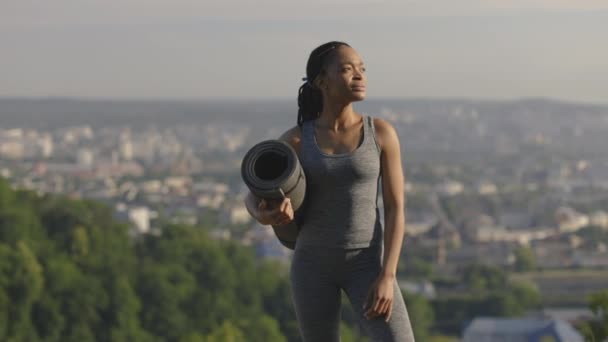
(341, 203)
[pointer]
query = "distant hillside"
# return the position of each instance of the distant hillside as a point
(59, 112)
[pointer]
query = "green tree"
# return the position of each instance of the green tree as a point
(597, 330)
(227, 332)
(421, 315)
(524, 259)
(261, 328)
(480, 277)
(164, 290)
(70, 272)
(123, 312)
(21, 283)
(526, 294)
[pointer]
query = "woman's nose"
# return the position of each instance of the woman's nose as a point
(359, 73)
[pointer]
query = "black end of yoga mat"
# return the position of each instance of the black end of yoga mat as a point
(271, 170)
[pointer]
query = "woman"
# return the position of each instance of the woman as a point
(340, 246)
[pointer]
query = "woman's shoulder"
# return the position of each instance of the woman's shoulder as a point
(293, 136)
(384, 130)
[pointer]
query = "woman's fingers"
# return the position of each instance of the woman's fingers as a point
(371, 304)
(283, 213)
(284, 204)
(390, 312)
(386, 307)
(378, 304)
(287, 208)
(381, 306)
(278, 212)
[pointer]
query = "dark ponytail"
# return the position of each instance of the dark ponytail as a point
(310, 99)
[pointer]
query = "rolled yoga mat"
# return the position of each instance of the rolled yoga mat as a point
(271, 170)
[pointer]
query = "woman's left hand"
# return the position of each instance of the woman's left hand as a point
(379, 299)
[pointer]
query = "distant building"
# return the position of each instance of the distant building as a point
(12, 149)
(6, 173)
(552, 253)
(265, 243)
(125, 150)
(110, 169)
(210, 186)
(570, 315)
(235, 214)
(45, 145)
(140, 217)
(450, 188)
(486, 188)
(498, 254)
(490, 234)
(599, 218)
(488, 329)
(423, 288)
(569, 220)
(84, 157)
(210, 200)
(177, 182)
(419, 227)
(512, 219)
(153, 186)
(591, 259)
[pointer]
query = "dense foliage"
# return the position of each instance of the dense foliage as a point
(70, 272)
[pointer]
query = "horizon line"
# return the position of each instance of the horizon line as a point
(284, 98)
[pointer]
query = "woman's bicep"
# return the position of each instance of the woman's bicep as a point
(392, 170)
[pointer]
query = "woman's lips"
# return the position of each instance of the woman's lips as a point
(359, 88)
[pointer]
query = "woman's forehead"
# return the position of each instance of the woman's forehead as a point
(346, 55)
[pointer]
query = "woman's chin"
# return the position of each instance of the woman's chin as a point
(359, 96)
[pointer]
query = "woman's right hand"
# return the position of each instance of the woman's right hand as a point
(275, 212)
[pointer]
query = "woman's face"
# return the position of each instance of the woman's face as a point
(344, 79)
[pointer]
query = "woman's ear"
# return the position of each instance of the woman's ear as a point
(320, 83)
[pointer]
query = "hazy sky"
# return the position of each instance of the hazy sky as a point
(250, 49)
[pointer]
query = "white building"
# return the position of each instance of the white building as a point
(126, 150)
(450, 188)
(45, 145)
(12, 149)
(599, 218)
(486, 188)
(140, 217)
(84, 157)
(569, 220)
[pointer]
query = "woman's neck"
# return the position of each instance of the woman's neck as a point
(336, 117)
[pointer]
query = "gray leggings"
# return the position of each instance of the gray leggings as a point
(317, 277)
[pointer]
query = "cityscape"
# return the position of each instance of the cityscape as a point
(509, 193)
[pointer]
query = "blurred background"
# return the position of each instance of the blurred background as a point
(123, 126)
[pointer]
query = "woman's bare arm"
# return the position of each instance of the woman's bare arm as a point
(251, 203)
(380, 295)
(393, 195)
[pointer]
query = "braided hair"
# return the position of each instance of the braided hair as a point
(310, 99)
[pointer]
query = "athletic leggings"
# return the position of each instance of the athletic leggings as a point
(318, 275)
